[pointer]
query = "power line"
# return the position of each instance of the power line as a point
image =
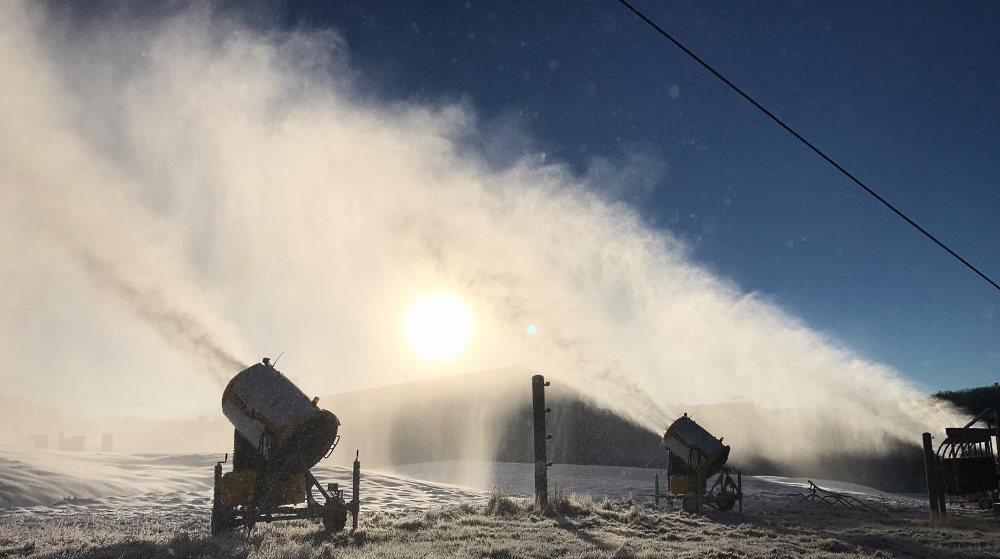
(807, 143)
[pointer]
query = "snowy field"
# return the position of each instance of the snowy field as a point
(90, 505)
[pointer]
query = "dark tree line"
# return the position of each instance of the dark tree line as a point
(973, 400)
(433, 423)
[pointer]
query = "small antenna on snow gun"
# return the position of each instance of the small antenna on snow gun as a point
(275, 362)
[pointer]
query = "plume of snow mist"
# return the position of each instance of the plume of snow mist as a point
(313, 214)
(64, 200)
(179, 328)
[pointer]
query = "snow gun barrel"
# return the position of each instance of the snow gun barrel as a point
(702, 453)
(279, 420)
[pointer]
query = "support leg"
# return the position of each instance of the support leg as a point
(355, 492)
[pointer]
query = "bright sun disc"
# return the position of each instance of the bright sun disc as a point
(438, 326)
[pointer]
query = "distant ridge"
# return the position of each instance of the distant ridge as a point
(443, 418)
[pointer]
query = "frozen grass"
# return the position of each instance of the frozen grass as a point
(502, 503)
(403, 517)
(507, 527)
(562, 503)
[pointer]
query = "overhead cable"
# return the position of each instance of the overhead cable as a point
(807, 143)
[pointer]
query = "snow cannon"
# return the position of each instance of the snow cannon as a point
(965, 464)
(700, 452)
(694, 458)
(275, 417)
(280, 433)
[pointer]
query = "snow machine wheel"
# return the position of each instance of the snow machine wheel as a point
(690, 502)
(985, 503)
(334, 517)
(725, 501)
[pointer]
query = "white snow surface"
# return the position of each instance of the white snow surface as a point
(96, 505)
(39, 478)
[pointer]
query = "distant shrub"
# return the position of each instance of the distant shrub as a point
(501, 503)
(564, 503)
(501, 553)
(633, 515)
(624, 553)
(412, 524)
(436, 513)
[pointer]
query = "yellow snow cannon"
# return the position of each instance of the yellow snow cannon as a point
(280, 433)
(694, 458)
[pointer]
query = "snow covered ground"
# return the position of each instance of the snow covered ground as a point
(60, 504)
(621, 482)
(32, 478)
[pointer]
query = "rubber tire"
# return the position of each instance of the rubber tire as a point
(690, 502)
(725, 501)
(985, 503)
(334, 517)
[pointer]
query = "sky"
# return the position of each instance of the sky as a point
(558, 162)
(900, 93)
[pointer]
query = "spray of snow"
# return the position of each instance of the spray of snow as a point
(234, 189)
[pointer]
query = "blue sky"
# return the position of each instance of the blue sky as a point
(901, 93)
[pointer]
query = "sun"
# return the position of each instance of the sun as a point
(438, 326)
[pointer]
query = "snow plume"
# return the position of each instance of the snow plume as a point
(200, 170)
(179, 328)
(66, 200)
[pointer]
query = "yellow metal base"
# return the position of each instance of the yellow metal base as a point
(681, 485)
(238, 489)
